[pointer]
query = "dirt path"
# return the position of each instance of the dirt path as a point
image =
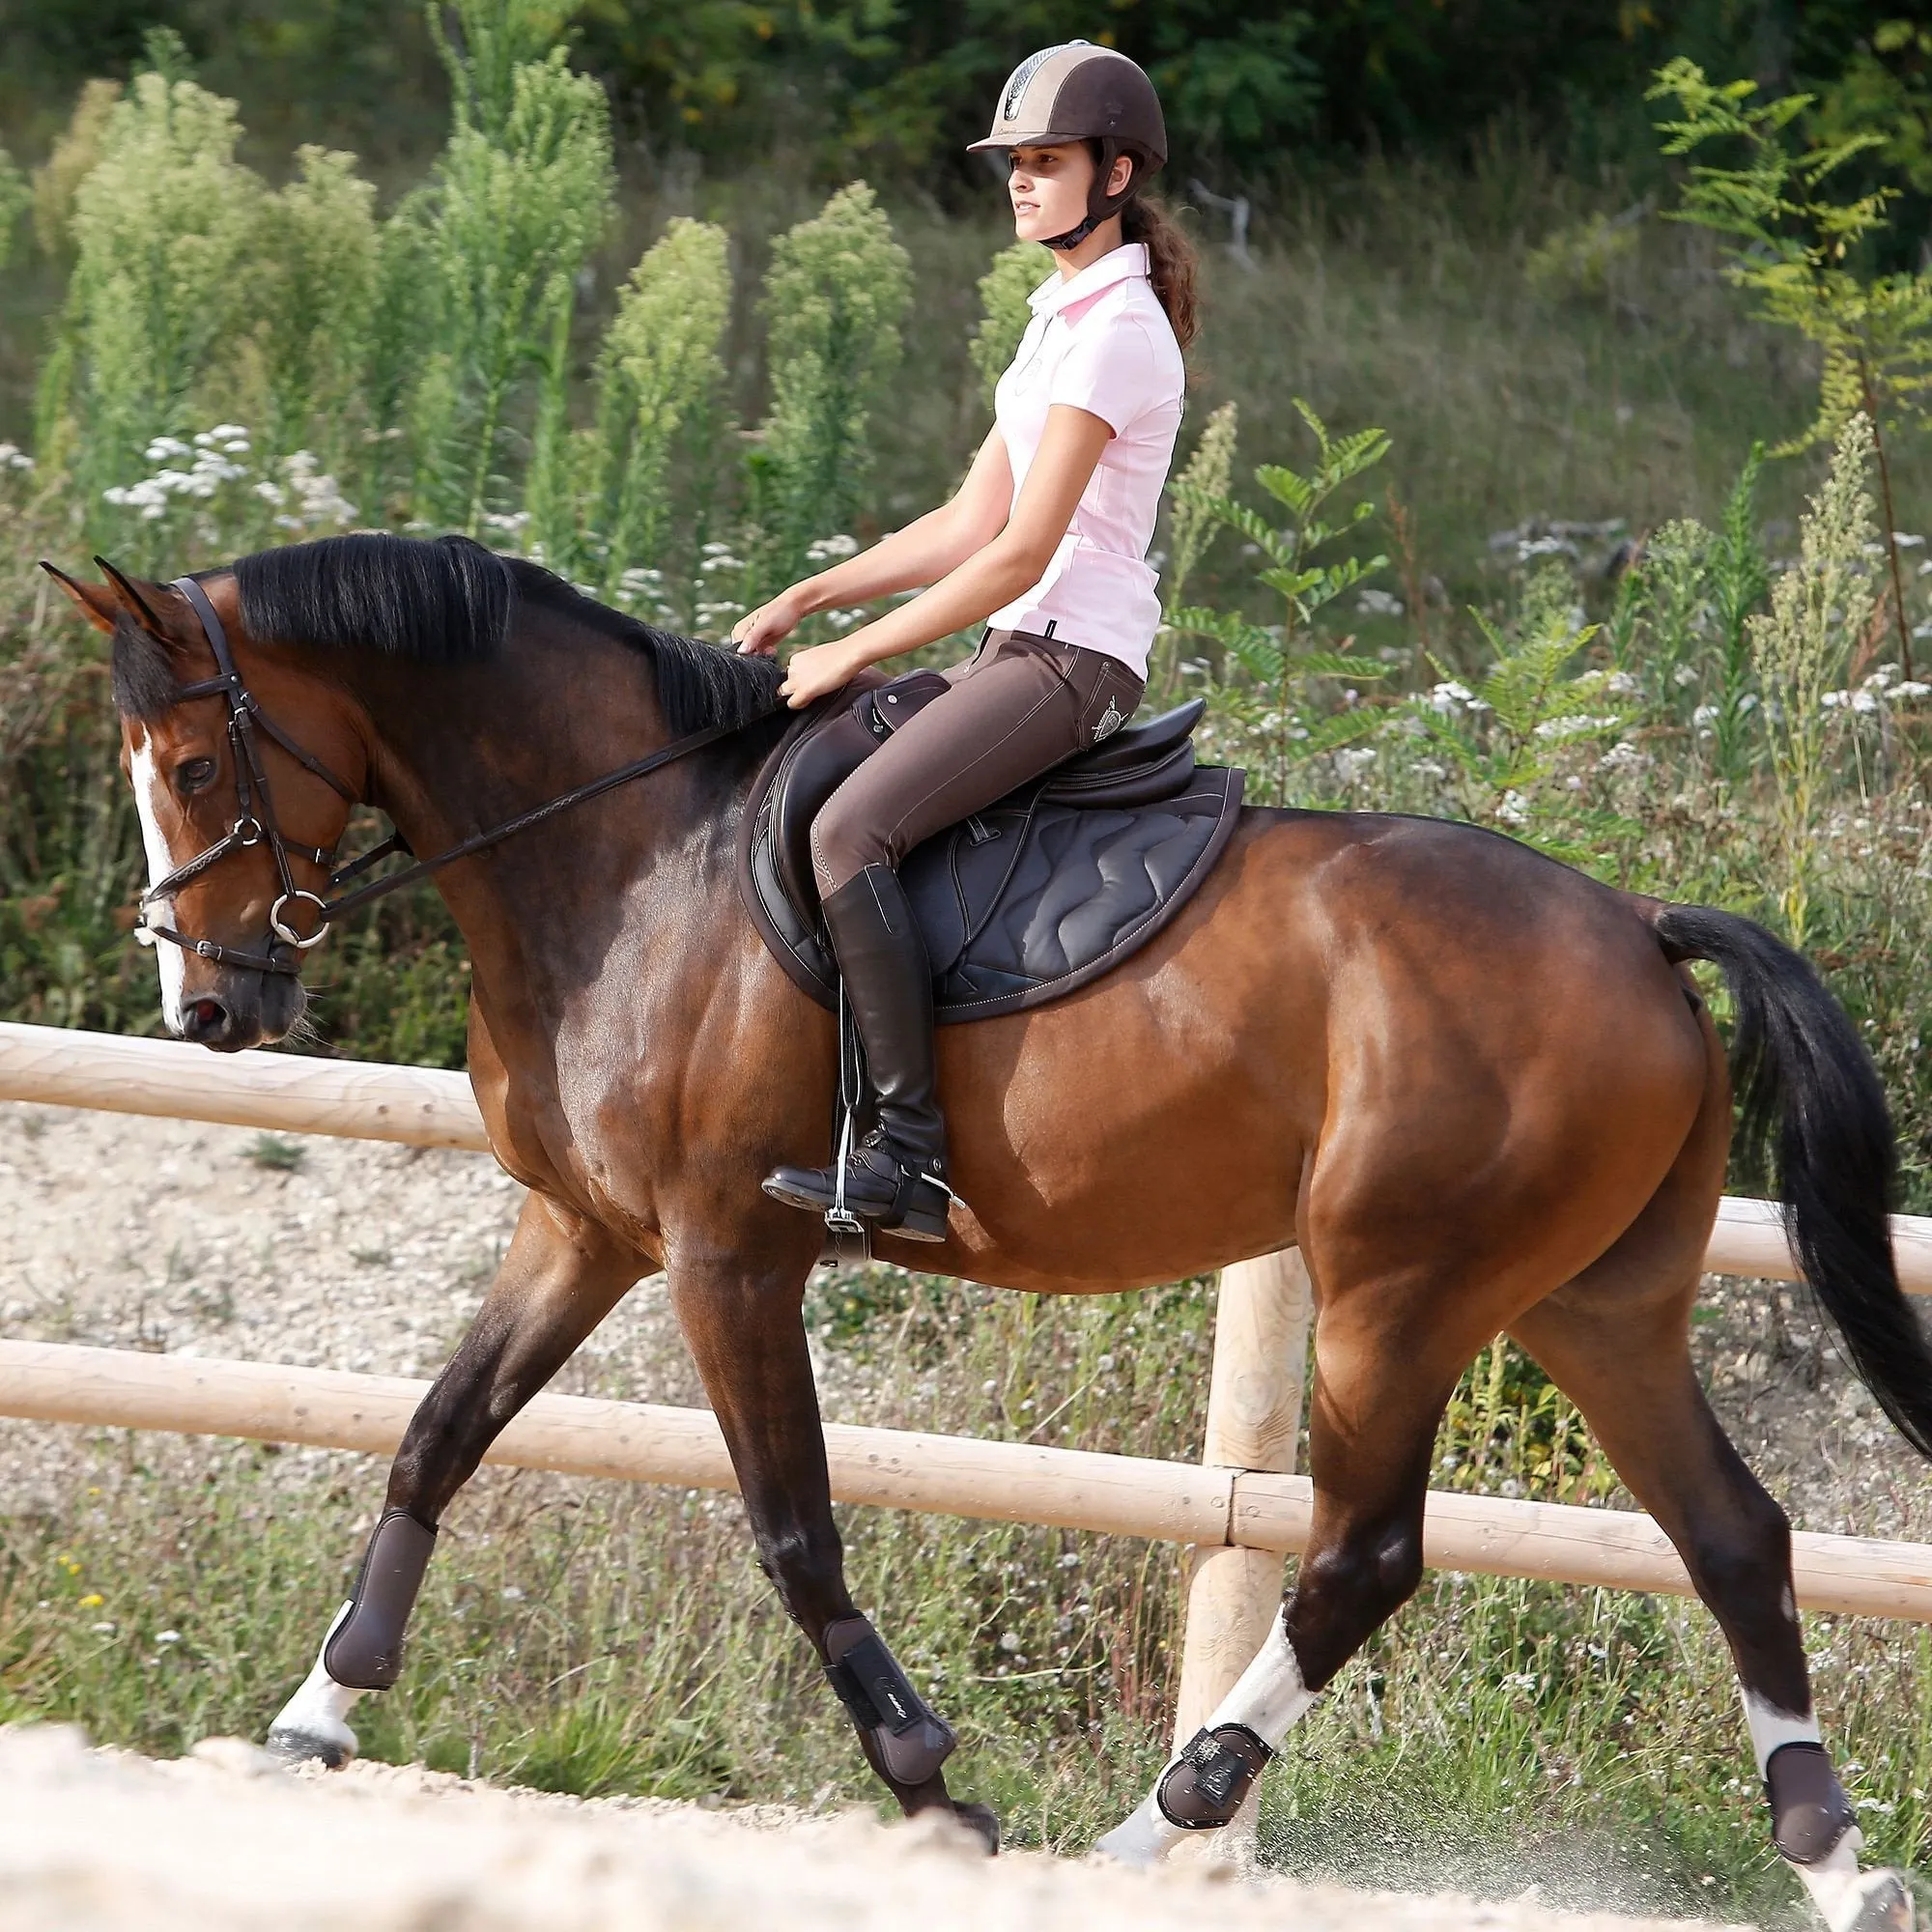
(222, 1840)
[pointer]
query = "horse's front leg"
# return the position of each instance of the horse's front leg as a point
(743, 1322)
(561, 1277)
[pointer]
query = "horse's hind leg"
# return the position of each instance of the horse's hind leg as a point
(1385, 1362)
(1616, 1340)
(561, 1277)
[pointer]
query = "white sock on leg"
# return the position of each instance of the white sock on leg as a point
(313, 1724)
(1838, 1887)
(1269, 1700)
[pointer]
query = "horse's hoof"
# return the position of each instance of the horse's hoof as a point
(981, 1821)
(331, 1748)
(1881, 1903)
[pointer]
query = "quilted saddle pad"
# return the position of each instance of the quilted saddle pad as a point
(1021, 903)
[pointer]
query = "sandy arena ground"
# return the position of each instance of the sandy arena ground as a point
(224, 1841)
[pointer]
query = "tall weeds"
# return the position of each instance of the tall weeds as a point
(661, 413)
(1820, 611)
(164, 227)
(835, 295)
(513, 218)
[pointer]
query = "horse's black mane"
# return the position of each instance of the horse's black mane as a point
(446, 601)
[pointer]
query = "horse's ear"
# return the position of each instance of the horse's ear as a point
(96, 601)
(132, 602)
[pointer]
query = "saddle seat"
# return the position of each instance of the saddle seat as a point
(1037, 894)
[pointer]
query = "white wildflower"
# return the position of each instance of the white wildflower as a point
(1554, 731)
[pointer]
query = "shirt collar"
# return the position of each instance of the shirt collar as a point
(1118, 265)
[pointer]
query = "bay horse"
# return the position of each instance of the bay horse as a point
(1477, 1088)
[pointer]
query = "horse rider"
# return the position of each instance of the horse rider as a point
(1045, 543)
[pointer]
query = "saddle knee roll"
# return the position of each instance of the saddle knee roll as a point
(1810, 1815)
(1209, 1781)
(365, 1650)
(912, 1739)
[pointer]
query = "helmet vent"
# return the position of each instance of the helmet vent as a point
(1017, 84)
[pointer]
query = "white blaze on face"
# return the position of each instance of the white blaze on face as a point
(146, 801)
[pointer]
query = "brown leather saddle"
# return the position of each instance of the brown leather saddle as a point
(1038, 895)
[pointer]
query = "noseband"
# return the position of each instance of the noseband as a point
(255, 821)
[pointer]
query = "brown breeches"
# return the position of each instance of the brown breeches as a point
(1019, 706)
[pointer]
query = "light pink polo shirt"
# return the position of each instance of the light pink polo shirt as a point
(1100, 341)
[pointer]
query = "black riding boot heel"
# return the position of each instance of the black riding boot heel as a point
(895, 1176)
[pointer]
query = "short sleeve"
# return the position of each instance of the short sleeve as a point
(1111, 372)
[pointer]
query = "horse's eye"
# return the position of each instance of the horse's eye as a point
(193, 773)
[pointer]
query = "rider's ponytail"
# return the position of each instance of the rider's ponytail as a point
(1171, 262)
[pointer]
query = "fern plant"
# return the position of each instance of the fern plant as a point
(1511, 737)
(1277, 657)
(1796, 245)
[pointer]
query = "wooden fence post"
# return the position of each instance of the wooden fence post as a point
(1254, 1417)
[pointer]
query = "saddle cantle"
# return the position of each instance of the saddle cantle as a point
(1050, 888)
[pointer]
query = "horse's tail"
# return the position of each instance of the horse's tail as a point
(1799, 1066)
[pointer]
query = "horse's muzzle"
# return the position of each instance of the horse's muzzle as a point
(240, 1009)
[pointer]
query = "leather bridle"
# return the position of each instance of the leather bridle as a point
(255, 822)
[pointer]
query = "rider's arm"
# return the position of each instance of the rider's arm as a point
(995, 574)
(920, 554)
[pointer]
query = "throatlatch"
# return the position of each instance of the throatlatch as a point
(365, 1650)
(911, 1738)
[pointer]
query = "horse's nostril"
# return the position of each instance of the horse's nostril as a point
(205, 1016)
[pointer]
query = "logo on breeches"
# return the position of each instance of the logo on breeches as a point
(1111, 721)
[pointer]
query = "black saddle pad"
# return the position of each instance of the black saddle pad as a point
(1023, 902)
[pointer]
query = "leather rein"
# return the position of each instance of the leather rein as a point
(256, 824)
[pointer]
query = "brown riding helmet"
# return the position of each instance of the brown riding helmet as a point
(1078, 92)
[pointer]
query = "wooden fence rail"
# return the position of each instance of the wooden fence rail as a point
(424, 1106)
(1202, 1505)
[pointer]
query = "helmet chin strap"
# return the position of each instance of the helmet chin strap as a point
(1073, 237)
(1100, 206)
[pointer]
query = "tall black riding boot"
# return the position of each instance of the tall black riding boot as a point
(897, 1174)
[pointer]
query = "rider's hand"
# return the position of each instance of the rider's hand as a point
(759, 632)
(818, 670)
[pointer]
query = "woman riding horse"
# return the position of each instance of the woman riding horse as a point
(1047, 542)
